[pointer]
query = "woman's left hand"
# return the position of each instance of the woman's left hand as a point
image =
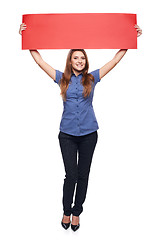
(139, 30)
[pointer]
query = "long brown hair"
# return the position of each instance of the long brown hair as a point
(87, 78)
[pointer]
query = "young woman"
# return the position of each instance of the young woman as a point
(78, 127)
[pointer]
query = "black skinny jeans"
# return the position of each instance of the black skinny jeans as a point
(76, 171)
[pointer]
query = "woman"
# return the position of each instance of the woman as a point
(78, 127)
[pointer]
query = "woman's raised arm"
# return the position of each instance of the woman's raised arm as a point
(38, 59)
(43, 65)
(111, 64)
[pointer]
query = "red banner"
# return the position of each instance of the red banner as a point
(79, 30)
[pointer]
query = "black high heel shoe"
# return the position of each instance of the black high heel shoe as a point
(65, 225)
(75, 227)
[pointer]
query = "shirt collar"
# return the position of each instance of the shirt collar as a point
(72, 73)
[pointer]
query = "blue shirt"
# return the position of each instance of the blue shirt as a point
(78, 116)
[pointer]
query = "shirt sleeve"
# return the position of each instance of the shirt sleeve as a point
(58, 76)
(95, 73)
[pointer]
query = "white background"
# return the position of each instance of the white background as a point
(123, 193)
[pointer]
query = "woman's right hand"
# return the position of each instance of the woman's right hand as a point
(22, 27)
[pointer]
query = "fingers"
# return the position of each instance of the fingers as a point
(136, 26)
(139, 30)
(23, 26)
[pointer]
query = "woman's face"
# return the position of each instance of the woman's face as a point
(78, 61)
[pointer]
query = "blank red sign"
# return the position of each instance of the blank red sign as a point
(79, 30)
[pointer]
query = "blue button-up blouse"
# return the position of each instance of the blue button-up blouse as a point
(78, 116)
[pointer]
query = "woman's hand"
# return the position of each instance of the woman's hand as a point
(139, 30)
(22, 27)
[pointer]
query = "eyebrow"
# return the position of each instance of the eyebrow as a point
(81, 56)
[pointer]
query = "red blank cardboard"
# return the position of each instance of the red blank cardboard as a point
(79, 30)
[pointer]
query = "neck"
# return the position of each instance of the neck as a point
(76, 72)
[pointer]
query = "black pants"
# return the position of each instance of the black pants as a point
(76, 171)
